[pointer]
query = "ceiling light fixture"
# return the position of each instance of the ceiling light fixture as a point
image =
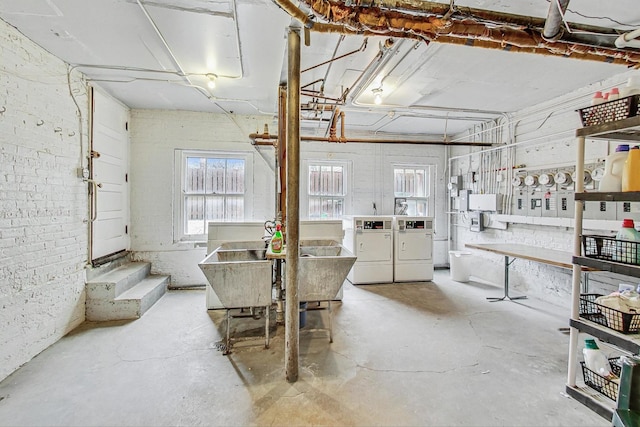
(377, 96)
(212, 80)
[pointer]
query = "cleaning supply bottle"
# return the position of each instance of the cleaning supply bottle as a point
(631, 171)
(613, 167)
(277, 241)
(598, 98)
(594, 358)
(627, 242)
(614, 94)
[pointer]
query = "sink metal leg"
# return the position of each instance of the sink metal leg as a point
(330, 324)
(227, 344)
(279, 299)
(266, 326)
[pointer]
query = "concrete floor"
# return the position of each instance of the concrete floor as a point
(428, 354)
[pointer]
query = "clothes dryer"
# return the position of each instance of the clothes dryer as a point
(370, 239)
(413, 249)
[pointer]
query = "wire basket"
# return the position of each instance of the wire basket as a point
(610, 111)
(601, 384)
(627, 323)
(608, 248)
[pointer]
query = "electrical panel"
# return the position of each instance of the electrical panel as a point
(519, 202)
(565, 206)
(455, 185)
(534, 208)
(602, 210)
(485, 202)
(463, 200)
(629, 210)
(550, 204)
(477, 221)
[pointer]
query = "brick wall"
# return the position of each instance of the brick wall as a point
(544, 135)
(43, 230)
(155, 135)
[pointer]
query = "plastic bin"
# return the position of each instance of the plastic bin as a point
(459, 267)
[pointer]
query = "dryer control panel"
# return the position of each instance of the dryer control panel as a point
(414, 224)
(373, 225)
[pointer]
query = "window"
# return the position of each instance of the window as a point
(213, 188)
(411, 189)
(327, 190)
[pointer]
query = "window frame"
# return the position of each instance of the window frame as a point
(346, 186)
(180, 194)
(428, 185)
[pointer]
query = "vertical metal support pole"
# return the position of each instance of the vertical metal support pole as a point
(577, 271)
(506, 276)
(292, 301)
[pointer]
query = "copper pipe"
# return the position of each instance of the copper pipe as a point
(282, 154)
(316, 95)
(360, 49)
(517, 33)
(256, 139)
(332, 129)
(319, 107)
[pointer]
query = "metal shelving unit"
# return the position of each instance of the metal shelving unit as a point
(621, 130)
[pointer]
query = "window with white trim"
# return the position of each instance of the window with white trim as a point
(411, 183)
(327, 189)
(213, 187)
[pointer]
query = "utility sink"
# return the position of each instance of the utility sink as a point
(239, 274)
(322, 269)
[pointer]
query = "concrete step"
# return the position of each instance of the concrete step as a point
(111, 284)
(131, 304)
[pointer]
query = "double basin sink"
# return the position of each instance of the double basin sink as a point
(241, 275)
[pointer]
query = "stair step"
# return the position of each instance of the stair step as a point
(131, 304)
(117, 281)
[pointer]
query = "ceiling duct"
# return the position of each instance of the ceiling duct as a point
(438, 22)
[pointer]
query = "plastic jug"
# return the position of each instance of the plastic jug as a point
(595, 359)
(628, 240)
(631, 171)
(598, 98)
(277, 241)
(613, 168)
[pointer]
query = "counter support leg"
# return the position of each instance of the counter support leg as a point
(507, 263)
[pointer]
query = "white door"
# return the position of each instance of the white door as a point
(109, 171)
(373, 246)
(412, 245)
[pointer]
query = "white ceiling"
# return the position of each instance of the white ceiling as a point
(156, 53)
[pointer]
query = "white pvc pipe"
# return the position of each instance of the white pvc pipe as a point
(629, 39)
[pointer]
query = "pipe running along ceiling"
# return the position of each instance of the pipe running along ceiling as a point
(444, 23)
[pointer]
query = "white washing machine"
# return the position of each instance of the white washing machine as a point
(413, 249)
(370, 239)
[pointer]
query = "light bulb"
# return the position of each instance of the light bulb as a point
(212, 80)
(377, 99)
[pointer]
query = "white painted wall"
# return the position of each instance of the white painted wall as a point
(544, 135)
(43, 229)
(156, 134)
